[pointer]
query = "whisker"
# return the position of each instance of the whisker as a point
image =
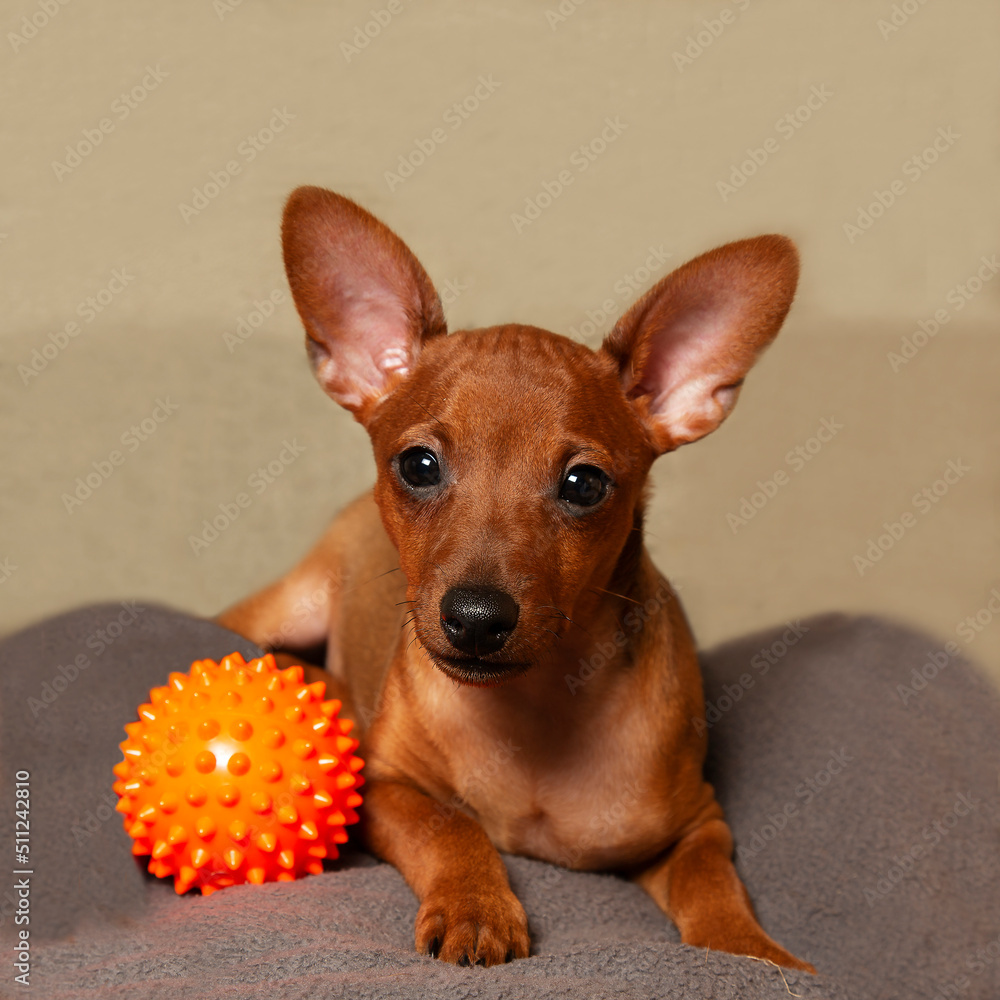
(554, 608)
(613, 594)
(371, 579)
(424, 408)
(562, 614)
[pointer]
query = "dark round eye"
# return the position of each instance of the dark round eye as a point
(584, 486)
(419, 467)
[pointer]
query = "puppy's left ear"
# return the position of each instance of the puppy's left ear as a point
(366, 303)
(684, 348)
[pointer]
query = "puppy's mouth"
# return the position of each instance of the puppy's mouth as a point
(475, 671)
(476, 637)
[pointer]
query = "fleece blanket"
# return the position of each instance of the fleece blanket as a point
(857, 762)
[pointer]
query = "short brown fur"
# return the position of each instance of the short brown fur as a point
(520, 748)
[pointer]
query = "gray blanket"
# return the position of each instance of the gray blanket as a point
(863, 799)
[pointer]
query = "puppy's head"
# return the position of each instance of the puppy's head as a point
(511, 461)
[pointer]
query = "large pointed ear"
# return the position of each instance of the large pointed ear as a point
(366, 303)
(684, 348)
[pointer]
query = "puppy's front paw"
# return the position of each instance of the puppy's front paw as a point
(470, 929)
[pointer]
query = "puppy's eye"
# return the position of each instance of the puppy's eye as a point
(584, 486)
(419, 467)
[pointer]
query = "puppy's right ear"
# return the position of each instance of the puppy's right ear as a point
(366, 303)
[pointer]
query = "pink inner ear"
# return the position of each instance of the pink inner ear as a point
(692, 372)
(373, 343)
(366, 302)
(685, 347)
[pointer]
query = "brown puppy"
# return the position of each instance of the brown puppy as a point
(529, 669)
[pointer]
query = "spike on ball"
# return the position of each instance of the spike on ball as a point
(237, 772)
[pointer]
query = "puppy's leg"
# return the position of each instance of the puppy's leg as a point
(696, 885)
(468, 913)
(292, 613)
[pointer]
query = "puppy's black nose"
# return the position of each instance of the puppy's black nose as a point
(478, 620)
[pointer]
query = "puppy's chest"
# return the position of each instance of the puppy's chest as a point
(586, 800)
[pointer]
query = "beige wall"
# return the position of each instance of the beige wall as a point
(210, 77)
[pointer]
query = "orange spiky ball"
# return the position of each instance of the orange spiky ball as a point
(238, 772)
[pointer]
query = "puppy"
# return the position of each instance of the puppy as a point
(499, 551)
